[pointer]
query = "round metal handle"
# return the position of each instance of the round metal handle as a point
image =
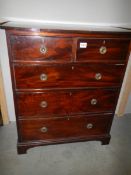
(93, 101)
(43, 77)
(103, 50)
(98, 76)
(43, 104)
(89, 126)
(43, 49)
(44, 129)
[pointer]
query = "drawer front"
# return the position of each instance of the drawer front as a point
(39, 76)
(63, 128)
(65, 102)
(36, 48)
(102, 50)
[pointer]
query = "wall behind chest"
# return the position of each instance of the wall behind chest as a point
(4, 65)
(85, 11)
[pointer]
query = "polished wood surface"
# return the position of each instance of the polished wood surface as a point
(116, 50)
(65, 102)
(60, 128)
(26, 48)
(27, 76)
(62, 92)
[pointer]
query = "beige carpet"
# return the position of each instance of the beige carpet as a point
(86, 158)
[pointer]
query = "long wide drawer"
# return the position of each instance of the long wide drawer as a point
(64, 128)
(39, 76)
(37, 48)
(53, 103)
(111, 50)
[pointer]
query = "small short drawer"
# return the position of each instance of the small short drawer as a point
(111, 50)
(39, 76)
(68, 102)
(37, 48)
(64, 128)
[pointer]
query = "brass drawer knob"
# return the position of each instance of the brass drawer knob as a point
(43, 77)
(43, 50)
(93, 101)
(98, 76)
(44, 129)
(43, 104)
(103, 50)
(89, 126)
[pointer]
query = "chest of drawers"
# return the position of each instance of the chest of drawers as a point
(65, 84)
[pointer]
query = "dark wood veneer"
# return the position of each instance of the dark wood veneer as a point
(27, 48)
(27, 76)
(60, 103)
(60, 128)
(70, 84)
(116, 50)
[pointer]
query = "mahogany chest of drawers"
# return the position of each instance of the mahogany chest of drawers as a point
(65, 83)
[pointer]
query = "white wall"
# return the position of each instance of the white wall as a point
(91, 11)
(128, 106)
(4, 65)
(110, 12)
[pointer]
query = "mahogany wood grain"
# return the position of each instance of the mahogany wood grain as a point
(116, 50)
(67, 33)
(65, 102)
(70, 83)
(60, 128)
(27, 48)
(27, 76)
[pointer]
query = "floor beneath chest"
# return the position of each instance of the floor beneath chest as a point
(86, 158)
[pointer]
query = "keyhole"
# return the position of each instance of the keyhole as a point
(70, 93)
(104, 42)
(72, 67)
